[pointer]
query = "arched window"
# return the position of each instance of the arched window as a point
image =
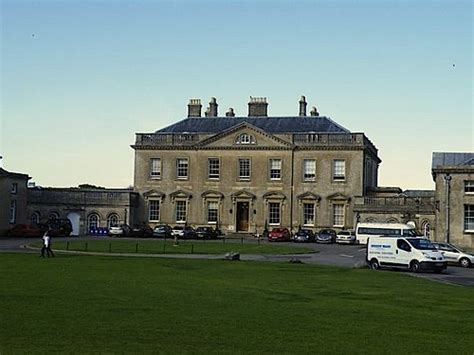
(392, 220)
(53, 216)
(425, 228)
(245, 138)
(35, 218)
(112, 220)
(370, 220)
(92, 221)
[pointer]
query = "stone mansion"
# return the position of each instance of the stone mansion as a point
(242, 174)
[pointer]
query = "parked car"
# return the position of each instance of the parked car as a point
(206, 233)
(177, 231)
(162, 231)
(304, 236)
(454, 255)
(279, 235)
(326, 236)
(121, 230)
(141, 231)
(189, 233)
(25, 230)
(346, 237)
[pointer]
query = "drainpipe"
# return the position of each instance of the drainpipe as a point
(447, 178)
(292, 188)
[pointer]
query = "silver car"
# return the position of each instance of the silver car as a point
(454, 255)
(346, 237)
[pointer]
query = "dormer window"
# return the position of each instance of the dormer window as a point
(245, 138)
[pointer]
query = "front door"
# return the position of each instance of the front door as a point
(242, 216)
(75, 219)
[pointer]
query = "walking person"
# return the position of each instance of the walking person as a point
(46, 245)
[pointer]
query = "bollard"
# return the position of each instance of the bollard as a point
(136, 248)
(110, 247)
(223, 240)
(164, 248)
(86, 246)
(241, 240)
(192, 248)
(258, 240)
(67, 245)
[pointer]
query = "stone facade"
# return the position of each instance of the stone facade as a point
(453, 174)
(86, 208)
(392, 205)
(244, 173)
(13, 199)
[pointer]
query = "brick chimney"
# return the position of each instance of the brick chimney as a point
(314, 111)
(258, 106)
(194, 108)
(303, 106)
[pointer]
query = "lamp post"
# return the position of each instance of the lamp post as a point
(447, 179)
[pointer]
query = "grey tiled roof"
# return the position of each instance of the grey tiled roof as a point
(294, 124)
(452, 159)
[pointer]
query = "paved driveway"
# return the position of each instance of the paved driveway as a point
(327, 254)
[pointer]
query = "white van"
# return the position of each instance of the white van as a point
(415, 254)
(366, 230)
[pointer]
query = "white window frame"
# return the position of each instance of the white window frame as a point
(181, 211)
(93, 218)
(154, 209)
(182, 166)
(155, 168)
(113, 220)
(468, 218)
(275, 169)
(14, 189)
(35, 218)
(242, 168)
(213, 169)
(274, 213)
(338, 217)
(469, 187)
(212, 212)
(339, 170)
(309, 214)
(309, 175)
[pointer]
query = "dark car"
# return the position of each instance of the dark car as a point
(162, 231)
(326, 236)
(206, 233)
(141, 231)
(25, 230)
(279, 235)
(60, 227)
(304, 236)
(188, 233)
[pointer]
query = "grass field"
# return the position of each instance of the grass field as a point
(159, 246)
(77, 304)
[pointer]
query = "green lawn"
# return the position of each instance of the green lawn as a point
(158, 246)
(76, 304)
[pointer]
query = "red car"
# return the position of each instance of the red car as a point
(25, 230)
(279, 235)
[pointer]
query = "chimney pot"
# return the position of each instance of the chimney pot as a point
(230, 112)
(212, 107)
(303, 106)
(314, 111)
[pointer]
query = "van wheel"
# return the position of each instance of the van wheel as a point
(374, 264)
(464, 262)
(415, 266)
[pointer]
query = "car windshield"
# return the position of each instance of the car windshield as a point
(421, 244)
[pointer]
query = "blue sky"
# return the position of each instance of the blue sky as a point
(80, 78)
